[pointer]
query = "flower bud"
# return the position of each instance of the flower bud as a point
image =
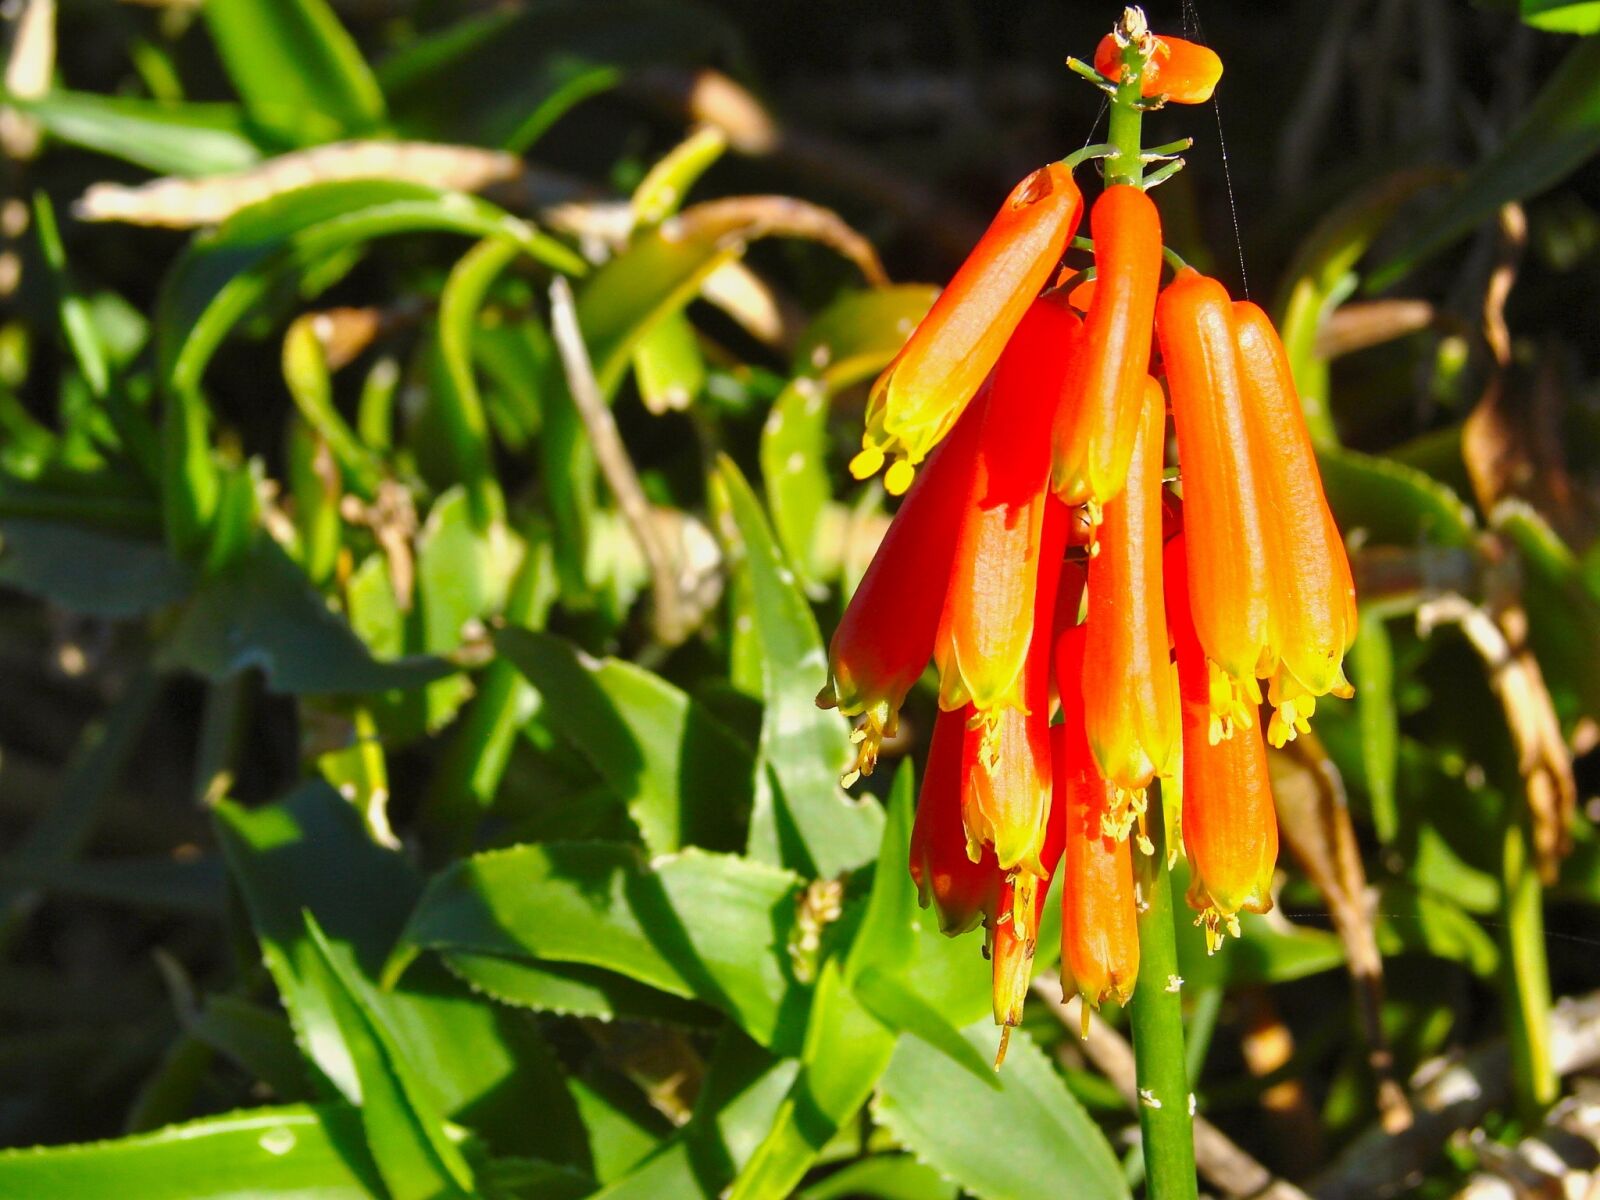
(917, 399)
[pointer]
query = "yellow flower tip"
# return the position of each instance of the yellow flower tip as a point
(1341, 686)
(1234, 701)
(878, 721)
(867, 463)
(1000, 1052)
(898, 478)
(1084, 1014)
(1127, 808)
(849, 778)
(1218, 925)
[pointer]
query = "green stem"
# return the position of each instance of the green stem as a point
(1156, 1014)
(1526, 976)
(1125, 129)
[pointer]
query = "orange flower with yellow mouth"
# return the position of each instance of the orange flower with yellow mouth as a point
(1313, 607)
(922, 392)
(1104, 391)
(1099, 920)
(1230, 825)
(1131, 716)
(988, 618)
(885, 639)
(1227, 567)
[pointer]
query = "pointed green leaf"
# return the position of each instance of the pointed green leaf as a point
(404, 1134)
(845, 1051)
(480, 1065)
(806, 747)
(685, 778)
(996, 1147)
(711, 927)
(297, 70)
(1557, 133)
(294, 1151)
(167, 138)
(886, 938)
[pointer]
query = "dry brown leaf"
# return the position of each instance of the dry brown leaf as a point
(745, 218)
(179, 203)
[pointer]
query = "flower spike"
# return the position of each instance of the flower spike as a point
(1227, 565)
(885, 639)
(1313, 598)
(922, 392)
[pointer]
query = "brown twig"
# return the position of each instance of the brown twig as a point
(1220, 1159)
(1450, 1094)
(615, 465)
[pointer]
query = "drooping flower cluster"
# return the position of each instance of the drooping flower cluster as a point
(1100, 622)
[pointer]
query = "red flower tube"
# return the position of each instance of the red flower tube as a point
(1227, 566)
(1230, 825)
(1006, 760)
(1102, 399)
(885, 639)
(987, 622)
(917, 399)
(1099, 922)
(1181, 71)
(1130, 710)
(961, 890)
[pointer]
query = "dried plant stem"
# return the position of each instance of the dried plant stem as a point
(614, 462)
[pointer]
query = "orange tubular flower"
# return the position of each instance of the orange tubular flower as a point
(1230, 827)
(1014, 932)
(1099, 412)
(884, 641)
(918, 397)
(987, 623)
(1132, 720)
(1184, 72)
(1313, 599)
(1006, 762)
(1099, 923)
(962, 891)
(1227, 556)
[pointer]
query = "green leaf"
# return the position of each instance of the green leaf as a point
(297, 70)
(851, 340)
(886, 937)
(1393, 503)
(223, 273)
(294, 1151)
(1417, 921)
(1563, 613)
(899, 1008)
(685, 779)
(1322, 276)
(263, 612)
(1557, 133)
(459, 406)
(1372, 663)
(996, 1147)
(256, 1038)
(1562, 16)
(169, 139)
(501, 79)
(668, 365)
(845, 1051)
(743, 1089)
(87, 571)
(819, 830)
(480, 1065)
(405, 1136)
(711, 927)
(191, 888)
(884, 1176)
(570, 989)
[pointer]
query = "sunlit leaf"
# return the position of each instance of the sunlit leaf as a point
(820, 830)
(998, 1147)
(169, 139)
